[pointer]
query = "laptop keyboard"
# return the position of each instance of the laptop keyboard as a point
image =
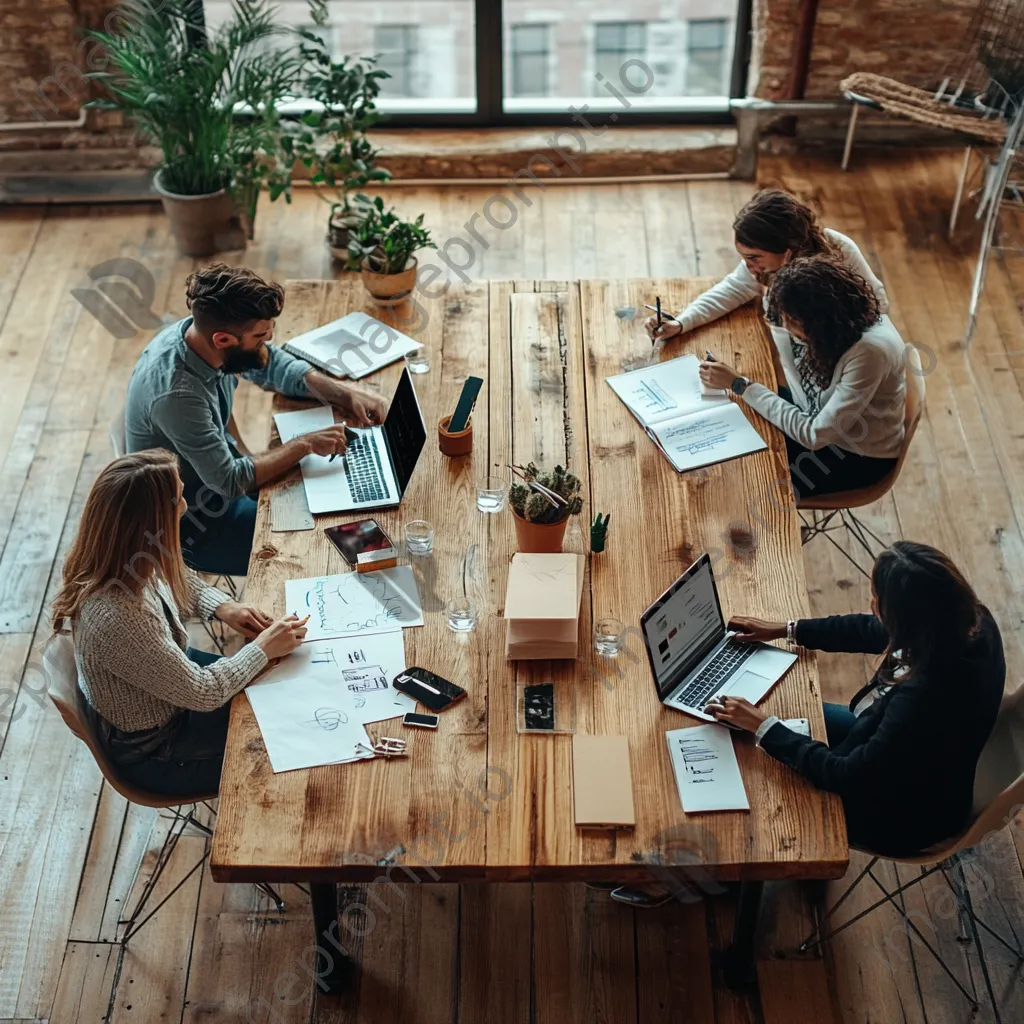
(714, 675)
(365, 474)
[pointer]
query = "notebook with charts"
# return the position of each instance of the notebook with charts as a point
(354, 346)
(691, 427)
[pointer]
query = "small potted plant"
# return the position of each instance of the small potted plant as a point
(541, 520)
(330, 141)
(383, 244)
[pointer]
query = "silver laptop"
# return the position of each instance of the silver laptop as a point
(694, 658)
(378, 464)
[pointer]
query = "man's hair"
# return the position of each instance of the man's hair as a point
(223, 298)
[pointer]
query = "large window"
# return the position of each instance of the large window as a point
(514, 61)
(528, 74)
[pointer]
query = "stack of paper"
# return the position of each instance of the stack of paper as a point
(542, 605)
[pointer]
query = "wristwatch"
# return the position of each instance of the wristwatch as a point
(739, 385)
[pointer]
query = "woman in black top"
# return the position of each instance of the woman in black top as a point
(903, 756)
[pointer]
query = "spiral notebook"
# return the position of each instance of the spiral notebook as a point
(354, 346)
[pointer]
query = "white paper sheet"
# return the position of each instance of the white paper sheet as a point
(307, 722)
(326, 482)
(706, 769)
(663, 391)
(721, 433)
(354, 346)
(352, 604)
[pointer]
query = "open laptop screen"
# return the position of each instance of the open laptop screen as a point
(682, 626)
(405, 431)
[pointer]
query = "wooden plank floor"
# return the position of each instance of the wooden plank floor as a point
(70, 848)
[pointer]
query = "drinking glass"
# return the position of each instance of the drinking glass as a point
(462, 615)
(490, 494)
(418, 360)
(419, 537)
(608, 636)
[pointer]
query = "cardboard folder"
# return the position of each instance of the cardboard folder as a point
(602, 783)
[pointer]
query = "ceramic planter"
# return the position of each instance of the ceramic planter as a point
(543, 538)
(202, 225)
(388, 288)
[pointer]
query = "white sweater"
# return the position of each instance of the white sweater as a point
(741, 286)
(131, 657)
(862, 409)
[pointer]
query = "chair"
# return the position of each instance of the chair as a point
(825, 509)
(998, 794)
(61, 674)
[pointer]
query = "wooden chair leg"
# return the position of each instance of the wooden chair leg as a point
(958, 198)
(850, 131)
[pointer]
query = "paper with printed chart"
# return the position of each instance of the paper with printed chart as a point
(691, 426)
(707, 772)
(313, 705)
(354, 603)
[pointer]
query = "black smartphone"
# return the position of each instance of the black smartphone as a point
(429, 689)
(361, 537)
(420, 721)
(539, 706)
(464, 407)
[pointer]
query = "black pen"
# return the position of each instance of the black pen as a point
(708, 357)
(350, 436)
(658, 301)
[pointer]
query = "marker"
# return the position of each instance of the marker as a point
(350, 436)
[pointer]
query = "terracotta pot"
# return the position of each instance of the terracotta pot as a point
(202, 225)
(385, 288)
(543, 538)
(454, 445)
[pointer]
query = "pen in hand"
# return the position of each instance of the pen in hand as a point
(708, 357)
(350, 436)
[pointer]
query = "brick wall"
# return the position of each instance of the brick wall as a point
(912, 40)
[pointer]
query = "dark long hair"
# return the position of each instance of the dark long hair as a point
(832, 304)
(929, 610)
(776, 221)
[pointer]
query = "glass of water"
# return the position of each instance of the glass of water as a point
(490, 494)
(418, 360)
(462, 615)
(608, 636)
(419, 537)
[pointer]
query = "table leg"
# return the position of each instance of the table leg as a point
(333, 968)
(740, 970)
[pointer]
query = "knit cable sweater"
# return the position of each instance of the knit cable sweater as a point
(131, 657)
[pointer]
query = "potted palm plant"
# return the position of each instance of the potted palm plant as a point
(383, 245)
(209, 102)
(330, 140)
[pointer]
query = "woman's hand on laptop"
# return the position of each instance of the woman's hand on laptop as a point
(737, 712)
(750, 630)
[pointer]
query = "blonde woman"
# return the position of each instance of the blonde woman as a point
(160, 709)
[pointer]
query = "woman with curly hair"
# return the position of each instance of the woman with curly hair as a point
(842, 409)
(773, 228)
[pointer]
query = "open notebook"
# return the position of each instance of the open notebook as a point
(354, 346)
(692, 427)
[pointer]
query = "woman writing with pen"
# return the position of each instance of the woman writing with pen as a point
(773, 228)
(159, 708)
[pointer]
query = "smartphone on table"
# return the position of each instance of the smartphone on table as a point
(363, 544)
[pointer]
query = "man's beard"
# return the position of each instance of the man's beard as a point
(238, 360)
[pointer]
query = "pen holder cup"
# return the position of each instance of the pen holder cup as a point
(454, 445)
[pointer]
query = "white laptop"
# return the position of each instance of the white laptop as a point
(694, 658)
(375, 470)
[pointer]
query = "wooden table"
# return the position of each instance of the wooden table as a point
(477, 801)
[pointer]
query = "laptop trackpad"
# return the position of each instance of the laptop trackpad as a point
(750, 685)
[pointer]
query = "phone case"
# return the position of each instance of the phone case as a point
(409, 680)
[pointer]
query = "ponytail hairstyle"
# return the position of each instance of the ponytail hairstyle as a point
(128, 533)
(929, 610)
(776, 221)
